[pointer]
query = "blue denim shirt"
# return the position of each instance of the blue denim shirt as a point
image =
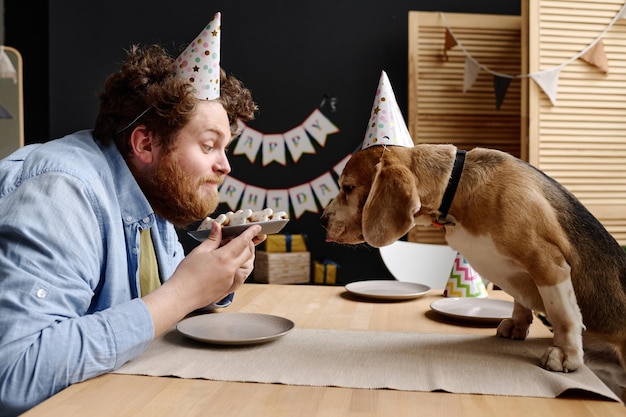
(70, 212)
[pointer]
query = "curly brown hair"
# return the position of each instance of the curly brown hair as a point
(147, 91)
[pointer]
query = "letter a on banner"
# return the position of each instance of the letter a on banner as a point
(230, 192)
(325, 189)
(249, 143)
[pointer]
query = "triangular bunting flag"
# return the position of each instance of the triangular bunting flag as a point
(500, 85)
(548, 82)
(7, 70)
(4, 113)
(319, 126)
(249, 143)
(302, 199)
(471, 73)
(325, 189)
(274, 149)
(230, 192)
(595, 56)
(298, 142)
(253, 198)
(449, 43)
(278, 200)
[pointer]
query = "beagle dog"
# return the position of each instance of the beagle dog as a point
(516, 226)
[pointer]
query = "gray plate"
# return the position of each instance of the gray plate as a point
(387, 289)
(229, 232)
(235, 328)
(474, 309)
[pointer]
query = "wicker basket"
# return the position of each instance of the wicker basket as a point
(282, 268)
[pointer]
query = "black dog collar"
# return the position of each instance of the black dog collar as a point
(440, 221)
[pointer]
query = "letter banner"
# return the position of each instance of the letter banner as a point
(296, 199)
(297, 140)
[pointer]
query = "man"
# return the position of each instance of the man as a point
(75, 214)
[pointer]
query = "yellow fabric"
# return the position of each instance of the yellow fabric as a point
(148, 267)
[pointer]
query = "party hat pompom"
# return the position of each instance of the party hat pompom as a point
(464, 281)
(200, 62)
(386, 125)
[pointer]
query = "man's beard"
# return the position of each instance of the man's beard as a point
(175, 196)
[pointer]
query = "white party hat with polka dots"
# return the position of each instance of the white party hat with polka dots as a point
(386, 125)
(200, 62)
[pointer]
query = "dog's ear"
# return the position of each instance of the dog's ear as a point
(390, 205)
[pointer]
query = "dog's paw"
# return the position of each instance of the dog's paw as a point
(555, 359)
(511, 330)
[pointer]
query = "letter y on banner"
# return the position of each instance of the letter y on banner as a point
(319, 126)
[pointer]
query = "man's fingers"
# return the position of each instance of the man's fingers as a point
(215, 237)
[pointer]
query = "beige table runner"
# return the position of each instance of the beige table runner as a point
(357, 359)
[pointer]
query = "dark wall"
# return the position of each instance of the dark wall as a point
(26, 28)
(289, 53)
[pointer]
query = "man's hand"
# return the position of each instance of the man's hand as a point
(206, 275)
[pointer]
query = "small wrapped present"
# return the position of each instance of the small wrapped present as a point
(285, 243)
(325, 272)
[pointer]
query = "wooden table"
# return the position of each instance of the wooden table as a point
(315, 307)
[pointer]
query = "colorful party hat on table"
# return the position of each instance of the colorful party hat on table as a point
(464, 281)
(200, 62)
(386, 125)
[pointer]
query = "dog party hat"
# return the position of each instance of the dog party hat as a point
(464, 281)
(386, 125)
(200, 62)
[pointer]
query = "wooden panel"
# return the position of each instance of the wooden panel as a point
(438, 110)
(581, 141)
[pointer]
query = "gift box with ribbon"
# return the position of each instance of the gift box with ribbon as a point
(325, 272)
(285, 243)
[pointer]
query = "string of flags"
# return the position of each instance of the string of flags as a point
(304, 197)
(274, 148)
(295, 141)
(547, 79)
